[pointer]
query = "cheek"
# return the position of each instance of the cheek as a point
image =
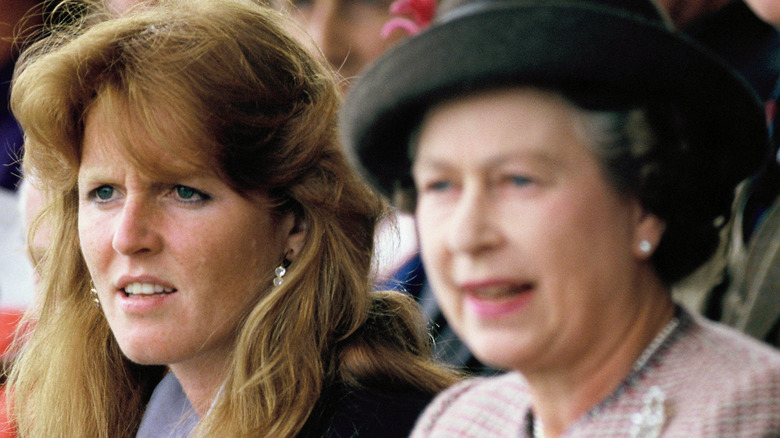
(210, 255)
(234, 254)
(434, 250)
(429, 226)
(94, 239)
(579, 245)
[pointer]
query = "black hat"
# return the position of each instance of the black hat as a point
(623, 47)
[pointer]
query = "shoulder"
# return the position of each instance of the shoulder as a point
(718, 347)
(483, 406)
(722, 380)
(720, 357)
(347, 412)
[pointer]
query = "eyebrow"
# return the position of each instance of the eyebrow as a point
(444, 163)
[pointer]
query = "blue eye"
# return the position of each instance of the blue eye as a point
(188, 194)
(519, 180)
(185, 192)
(103, 193)
(439, 186)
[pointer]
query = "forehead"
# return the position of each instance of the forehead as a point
(493, 124)
(147, 135)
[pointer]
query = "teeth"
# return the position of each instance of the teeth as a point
(146, 289)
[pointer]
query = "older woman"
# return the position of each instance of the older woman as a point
(209, 274)
(567, 163)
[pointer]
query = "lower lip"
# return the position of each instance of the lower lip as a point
(143, 304)
(497, 307)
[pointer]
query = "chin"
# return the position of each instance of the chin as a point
(142, 355)
(497, 361)
(144, 358)
(501, 354)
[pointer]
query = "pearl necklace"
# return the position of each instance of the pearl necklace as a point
(659, 339)
(647, 353)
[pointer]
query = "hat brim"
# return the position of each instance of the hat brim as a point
(555, 43)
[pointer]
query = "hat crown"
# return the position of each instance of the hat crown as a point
(608, 54)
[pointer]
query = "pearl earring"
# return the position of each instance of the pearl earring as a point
(93, 292)
(281, 270)
(645, 246)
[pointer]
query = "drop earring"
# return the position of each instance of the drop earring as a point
(645, 246)
(281, 270)
(93, 292)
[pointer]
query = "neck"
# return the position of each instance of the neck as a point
(562, 395)
(200, 383)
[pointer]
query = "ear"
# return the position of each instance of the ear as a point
(296, 228)
(647, 234)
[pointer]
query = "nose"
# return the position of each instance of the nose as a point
(472, 228)
(135, 232)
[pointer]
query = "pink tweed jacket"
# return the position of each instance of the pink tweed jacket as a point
(706, 380)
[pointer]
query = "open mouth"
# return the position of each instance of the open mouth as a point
(499, 300)
(498, 293)
(142, 290)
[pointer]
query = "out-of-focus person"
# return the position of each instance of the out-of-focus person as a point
(565, 170)
(347, 32)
